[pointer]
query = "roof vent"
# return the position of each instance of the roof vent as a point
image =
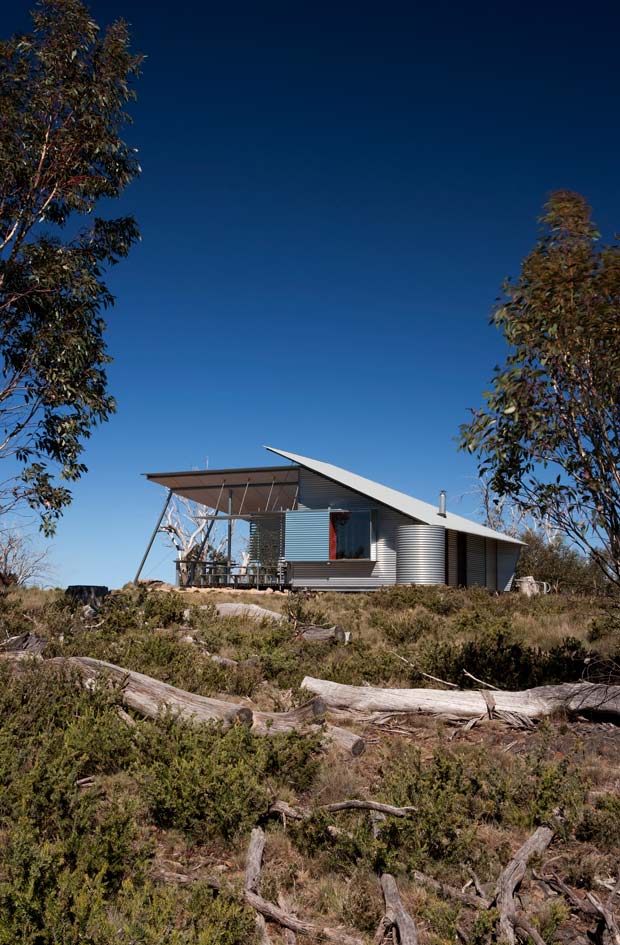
(442, 503)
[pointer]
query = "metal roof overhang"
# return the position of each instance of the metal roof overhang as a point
(252, 490)
(392, 499)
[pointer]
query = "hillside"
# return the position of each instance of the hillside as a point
(116, 828)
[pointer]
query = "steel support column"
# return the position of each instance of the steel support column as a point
(153, 536)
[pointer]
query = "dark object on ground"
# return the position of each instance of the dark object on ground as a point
(91, 594)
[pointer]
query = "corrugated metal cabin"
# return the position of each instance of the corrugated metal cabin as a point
(317, 526)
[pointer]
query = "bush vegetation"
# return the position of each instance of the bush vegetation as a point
(96, 815)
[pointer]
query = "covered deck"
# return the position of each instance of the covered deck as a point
(260, 496)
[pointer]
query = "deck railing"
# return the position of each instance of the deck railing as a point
(230, 574)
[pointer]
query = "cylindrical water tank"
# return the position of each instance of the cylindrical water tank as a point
(420, 554)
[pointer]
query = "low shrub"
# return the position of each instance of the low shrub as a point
(210, 783)
(601, 823)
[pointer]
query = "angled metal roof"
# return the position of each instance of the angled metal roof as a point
(251, 490)
(399, 501)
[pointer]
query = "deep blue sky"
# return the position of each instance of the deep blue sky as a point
(331, 197)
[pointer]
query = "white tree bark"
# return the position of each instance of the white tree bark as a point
(594, 698)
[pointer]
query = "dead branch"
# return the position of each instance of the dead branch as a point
(481, 681)
(253, 863)
(607, 916)
(289, 920)
(356, 804)
(396, 916)
(512, 876)
(577, 903)
(444, 682)
(596, 699)
(293, 813)
(451, 892)
(521, 924)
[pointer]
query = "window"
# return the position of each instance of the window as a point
(350, 535)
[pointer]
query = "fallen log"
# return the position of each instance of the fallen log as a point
(253, 863)
(253, 611)
(273, 723)
(396, 916)
(148, 696)
(313, 634)
(595, 699)
(511, 877)
(345, 739)
(226, 663)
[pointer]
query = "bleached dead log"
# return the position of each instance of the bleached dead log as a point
(607, 916)
(253, 864)
(396, 916)
(289, 920)
(253, 611)
(595, 699)
(149, 696)
(313, 634)
(274, 723)
(345, 739)
(289, 936)
(511, 877)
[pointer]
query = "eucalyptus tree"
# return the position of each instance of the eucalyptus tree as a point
(548, 434)
(64, 89)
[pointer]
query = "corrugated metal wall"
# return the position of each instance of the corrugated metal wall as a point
(318, 493)
(491, 555)
(489, 563)
(507, 557)
(307, 535)
(315, 492)
(453, 579)
(476, 568)
(420, 554)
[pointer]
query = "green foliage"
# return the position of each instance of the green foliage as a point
(497, 657)
(457, 790)
(601, 824)
(455, 793)
(548, 433)
(362, 906)
(605, 626)
(64, 88)
(560, 565)
(208, 783)
(164, 609)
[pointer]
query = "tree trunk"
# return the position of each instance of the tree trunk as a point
(595, 699)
